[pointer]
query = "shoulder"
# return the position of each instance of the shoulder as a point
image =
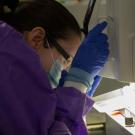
(5, 29)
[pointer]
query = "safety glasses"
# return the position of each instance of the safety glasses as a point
(88, 16)
(60, 49)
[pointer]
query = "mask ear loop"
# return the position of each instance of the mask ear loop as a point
(51, 54)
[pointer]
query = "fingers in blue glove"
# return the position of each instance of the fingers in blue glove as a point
(99, 28)
(93, 52)
(102, 38)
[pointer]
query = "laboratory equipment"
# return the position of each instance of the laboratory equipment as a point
(119, 108)
(88, 16)
(120, 15)
(121, 31)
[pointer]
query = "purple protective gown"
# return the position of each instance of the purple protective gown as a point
(28, 104)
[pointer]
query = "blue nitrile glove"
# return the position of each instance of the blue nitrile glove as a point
(90, 57)
(90, 91)
(95, 84)
(93, 52)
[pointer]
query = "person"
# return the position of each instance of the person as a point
(38, 40)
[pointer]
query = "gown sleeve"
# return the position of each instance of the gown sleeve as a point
(28, 104)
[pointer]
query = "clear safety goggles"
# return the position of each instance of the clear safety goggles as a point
(67, 59)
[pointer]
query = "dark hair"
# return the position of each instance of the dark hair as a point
(49, 14)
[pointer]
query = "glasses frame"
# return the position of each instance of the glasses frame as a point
(60, 49)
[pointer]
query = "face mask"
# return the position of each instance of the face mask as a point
(55, 73)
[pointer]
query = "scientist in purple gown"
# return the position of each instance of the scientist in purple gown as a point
(38, 40)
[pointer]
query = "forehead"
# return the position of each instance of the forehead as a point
(70, 45)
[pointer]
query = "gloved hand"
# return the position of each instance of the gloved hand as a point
(89, 60)
(90, 91)
(95, 84)
(93, 52)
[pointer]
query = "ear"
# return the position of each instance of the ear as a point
(36, 37)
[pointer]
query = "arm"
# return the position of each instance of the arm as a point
(28, 104)
(89, 61)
